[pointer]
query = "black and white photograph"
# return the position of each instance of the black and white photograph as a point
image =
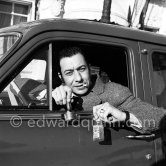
(82, 82)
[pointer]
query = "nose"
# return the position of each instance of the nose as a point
(78, 76)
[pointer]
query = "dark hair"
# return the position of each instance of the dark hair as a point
(69, 52)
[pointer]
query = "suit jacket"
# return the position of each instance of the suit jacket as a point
(121, 98)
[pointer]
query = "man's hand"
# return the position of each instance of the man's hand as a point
(108, 113)
(62, 95)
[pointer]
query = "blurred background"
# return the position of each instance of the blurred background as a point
(140, 14)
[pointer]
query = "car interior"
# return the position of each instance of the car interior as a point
(107, 61)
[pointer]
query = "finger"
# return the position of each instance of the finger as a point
(68, 105)
(96, 108)
(68, 94)
(68, 98)
(95, 114)
(73, 97)
(54, 95)
(113, 120)
(110, 117)
(105, 114)
(63, 95)
(72, 100)
(100, 113)
(58, 96)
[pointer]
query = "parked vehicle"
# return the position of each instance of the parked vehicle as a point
(34, 133)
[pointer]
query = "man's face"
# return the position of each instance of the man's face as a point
(75, 73)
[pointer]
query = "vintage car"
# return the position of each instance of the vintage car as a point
(35, 133)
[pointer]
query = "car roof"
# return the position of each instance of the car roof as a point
(29, 29)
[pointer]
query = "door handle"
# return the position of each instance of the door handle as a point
(149, 136)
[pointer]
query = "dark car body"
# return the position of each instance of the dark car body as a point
(34, 135)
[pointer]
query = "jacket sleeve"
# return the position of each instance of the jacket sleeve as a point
(149, 116)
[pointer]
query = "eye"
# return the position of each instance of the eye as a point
(68, 73)
(83, 68)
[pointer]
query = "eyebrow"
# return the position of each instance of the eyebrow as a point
(68, 70)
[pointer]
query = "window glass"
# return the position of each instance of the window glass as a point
(19, 19)
(5, 20)
(25, 88)
(5, 6)
(159, 75)
(21, 9)
(12, 13)
(6, 42)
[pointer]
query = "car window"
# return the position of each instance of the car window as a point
(7, 41)
(159, 76)
(108, 61)
(30, 86)
(25, 88)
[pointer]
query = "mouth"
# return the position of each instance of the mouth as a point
(82, 86)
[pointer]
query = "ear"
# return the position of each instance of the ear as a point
(61, 78)
(59, 75)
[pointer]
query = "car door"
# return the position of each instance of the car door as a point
(155, 55)
(34, 132)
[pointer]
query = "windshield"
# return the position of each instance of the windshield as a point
(7, 41)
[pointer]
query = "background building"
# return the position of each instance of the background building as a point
(15, 11)
(142, 14)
